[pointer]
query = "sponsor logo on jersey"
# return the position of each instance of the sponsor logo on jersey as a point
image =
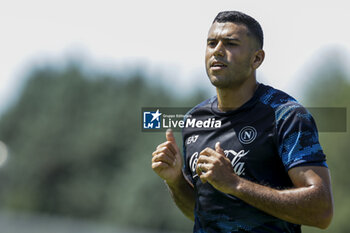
(192, 139)
(235, 157)
(237, 164)
(247, 135)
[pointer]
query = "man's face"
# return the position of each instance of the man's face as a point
(229, 54)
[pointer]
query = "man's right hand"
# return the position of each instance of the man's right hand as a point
(166, 159)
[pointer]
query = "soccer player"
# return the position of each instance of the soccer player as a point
(263, 169)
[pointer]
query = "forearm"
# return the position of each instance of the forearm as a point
(183, 195)
(304, 205)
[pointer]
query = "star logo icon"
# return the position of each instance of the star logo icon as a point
(156, 115)
(151, 119)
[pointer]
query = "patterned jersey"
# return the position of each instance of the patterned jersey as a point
(264, 138)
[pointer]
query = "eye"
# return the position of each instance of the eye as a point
(230, 43)
(211, 43)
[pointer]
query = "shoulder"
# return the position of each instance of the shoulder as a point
(195, 111)
(275, 98)
(204, 104)
(296, 132)
(283, 105)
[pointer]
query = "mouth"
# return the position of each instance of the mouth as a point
(217, 65)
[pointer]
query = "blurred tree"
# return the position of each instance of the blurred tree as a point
(329, 86)
(77, 149)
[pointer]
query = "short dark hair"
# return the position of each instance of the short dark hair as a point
(241, 18)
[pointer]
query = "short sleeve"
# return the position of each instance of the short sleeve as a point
(297, 137)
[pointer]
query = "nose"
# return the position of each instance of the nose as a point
(219, 49)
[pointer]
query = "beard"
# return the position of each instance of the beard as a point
(232, 76)
(226, 81)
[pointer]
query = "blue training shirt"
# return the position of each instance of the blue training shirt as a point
(264, 138)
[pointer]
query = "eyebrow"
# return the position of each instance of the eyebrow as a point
(225, 38)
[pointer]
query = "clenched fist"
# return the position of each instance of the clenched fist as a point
(167, 159)
(215, 168)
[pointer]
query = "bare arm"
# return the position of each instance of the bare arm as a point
(309, 203)
(183, 195)
(167, 163)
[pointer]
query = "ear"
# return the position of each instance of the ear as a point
(258, 58)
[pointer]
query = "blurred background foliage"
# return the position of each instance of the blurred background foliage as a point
(329, 86)
(77, 150)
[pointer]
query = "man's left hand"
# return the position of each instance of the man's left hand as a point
(214, 167)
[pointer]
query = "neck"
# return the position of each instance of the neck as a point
(234, 97)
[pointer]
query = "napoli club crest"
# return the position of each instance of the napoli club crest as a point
(247, 135)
